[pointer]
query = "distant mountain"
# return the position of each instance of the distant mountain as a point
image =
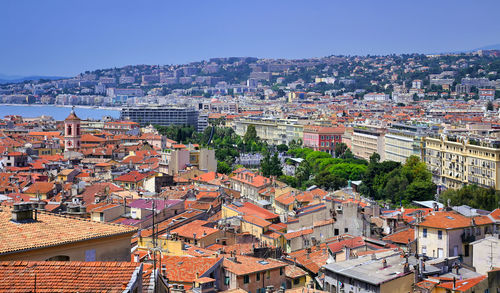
(490, 47)
(16, 78)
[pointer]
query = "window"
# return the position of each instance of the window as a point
(246, 279)
(226, 280)
(424, 249)
(281, 271)
(425, 233)
(257, 277)
(336, 232)
(440, 234)
(58, 258)
(296, 281)
(466, 250)
(346, 230)
(268, 274)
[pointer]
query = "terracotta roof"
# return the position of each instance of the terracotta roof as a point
(185, 268)
(51, 230)
(252, 209)
(246, 265)
(65, 276)
(401, 237)
(40, 187)
(72, 117)
(294, 272)
(462, 285)
(495, 214)
(312, 261)
(451, 220)
(351, 243)
(256, 221)
(195, 227)
(296, 234)
(238, 248)
(134, 176)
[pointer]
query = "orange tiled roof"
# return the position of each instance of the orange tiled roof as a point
(184, 268)
(401, 237)
(246, 265)
(451, 220)
(294, 272)
(51, 230)
(40, 187)
(65, 276)
(463, 285)
(196, 227)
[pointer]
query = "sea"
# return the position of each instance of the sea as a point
(58, 112)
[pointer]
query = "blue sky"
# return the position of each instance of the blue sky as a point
(64, 37)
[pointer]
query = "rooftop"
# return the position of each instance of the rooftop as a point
(66, 276)
(51, 230)
(371, 270)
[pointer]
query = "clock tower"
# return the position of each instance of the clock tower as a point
(72, 132)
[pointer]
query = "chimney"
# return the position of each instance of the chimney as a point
(374, 256)
(384, 263)
(136, 257)
(22, 212)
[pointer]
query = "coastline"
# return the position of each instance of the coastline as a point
(64, 106)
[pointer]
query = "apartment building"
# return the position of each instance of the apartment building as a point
(367, 140)
(456, 161)
(450, 233)
(162, 115)
(273, 131)
(403, 141)
(321, 138)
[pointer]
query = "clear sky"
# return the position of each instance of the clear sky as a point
(66, 37)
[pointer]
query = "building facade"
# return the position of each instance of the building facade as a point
(72, 133)
(162, 115)
(403, 141)
(368, 140)
(321, 138)
(273, 131)
(456, 161)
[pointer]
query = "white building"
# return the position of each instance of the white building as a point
(376, 97)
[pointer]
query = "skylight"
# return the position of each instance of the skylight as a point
(263, 262)
(451, 218)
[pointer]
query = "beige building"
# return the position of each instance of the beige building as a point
(271, 130)
(455, 162)
(449, 233)
(248, 183)
(486, 254)
(403, 141)
(367, 140)
(30, 234)
(382, 272)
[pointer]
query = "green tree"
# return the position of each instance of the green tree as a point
(329, 181)
(223, 167)
(303, 173)
(275, 164)
(250, 135)
(282, 148)
(489, 106)
(340, 149)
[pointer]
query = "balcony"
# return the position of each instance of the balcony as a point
(468, 238)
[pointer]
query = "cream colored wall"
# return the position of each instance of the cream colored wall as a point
(432, 243)
(116, 248)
